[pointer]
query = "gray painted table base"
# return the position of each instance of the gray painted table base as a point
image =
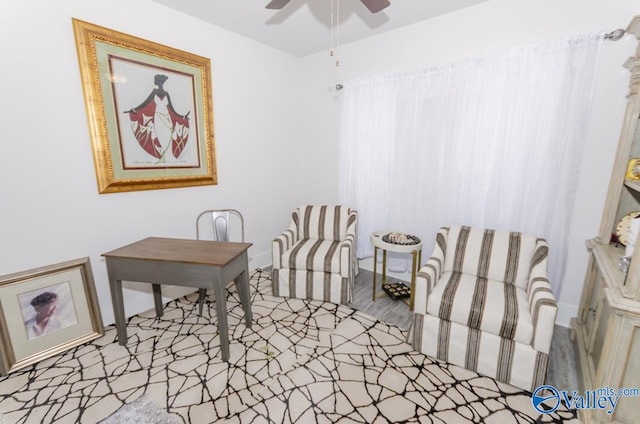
(188, 263)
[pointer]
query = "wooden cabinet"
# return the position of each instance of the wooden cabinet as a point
(607, 327)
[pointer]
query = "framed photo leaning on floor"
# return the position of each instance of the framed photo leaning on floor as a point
(46, 311)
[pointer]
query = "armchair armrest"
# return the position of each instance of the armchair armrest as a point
(282, 243)
(429, 274)
(347, 255)
(542, 303)
(348, 260)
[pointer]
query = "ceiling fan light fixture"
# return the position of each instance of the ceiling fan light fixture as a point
(277, 4)
(373, 5)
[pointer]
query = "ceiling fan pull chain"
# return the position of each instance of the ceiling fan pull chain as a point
(331, 30)
(337, 31)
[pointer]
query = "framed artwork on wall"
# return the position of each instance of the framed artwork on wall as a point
(46, 311)
(149, 109)
(633, 170)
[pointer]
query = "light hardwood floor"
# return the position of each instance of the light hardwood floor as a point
(562, 372)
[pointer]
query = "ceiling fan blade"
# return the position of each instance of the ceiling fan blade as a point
(376, 5)
(277, 4)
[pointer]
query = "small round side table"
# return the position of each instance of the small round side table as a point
(379, 243)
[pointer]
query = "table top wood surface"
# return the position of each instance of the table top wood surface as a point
(202, 252)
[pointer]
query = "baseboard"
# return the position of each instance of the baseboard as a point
(262, 261)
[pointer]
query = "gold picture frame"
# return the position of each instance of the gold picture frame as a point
(149, 110)
(46, 311)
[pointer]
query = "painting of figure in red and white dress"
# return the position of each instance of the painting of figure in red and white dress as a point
(157, 106)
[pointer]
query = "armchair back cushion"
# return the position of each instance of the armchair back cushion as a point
(321, 222)
(492, 254)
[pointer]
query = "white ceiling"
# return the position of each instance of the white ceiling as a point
(304, 26)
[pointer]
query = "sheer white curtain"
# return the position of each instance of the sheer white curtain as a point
(494, 141)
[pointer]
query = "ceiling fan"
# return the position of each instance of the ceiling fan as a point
(373, 5)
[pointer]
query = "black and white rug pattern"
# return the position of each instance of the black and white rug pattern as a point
(301, 362)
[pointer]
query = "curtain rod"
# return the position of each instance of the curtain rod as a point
(614, 35)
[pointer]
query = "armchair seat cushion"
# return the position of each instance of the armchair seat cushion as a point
(482, 304)
(313, 255)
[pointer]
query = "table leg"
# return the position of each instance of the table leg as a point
(118, 310)
(202, 294)
(375, 271)
(414, 261)
(384, 267)
(244, 291)
(157, 299)
(221, 312)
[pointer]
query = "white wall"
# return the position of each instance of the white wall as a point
(50, 210)
(270, 109)
(485, 28)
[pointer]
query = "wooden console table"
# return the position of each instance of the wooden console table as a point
(188, 263)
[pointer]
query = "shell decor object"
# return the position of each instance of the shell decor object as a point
(400, 238)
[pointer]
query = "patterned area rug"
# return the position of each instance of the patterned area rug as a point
(301, 362)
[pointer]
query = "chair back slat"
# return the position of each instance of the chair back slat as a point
(220, 225)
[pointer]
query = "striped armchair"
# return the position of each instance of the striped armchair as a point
(315, 258)
(483, 302)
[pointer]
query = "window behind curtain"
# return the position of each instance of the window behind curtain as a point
(494, 141)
